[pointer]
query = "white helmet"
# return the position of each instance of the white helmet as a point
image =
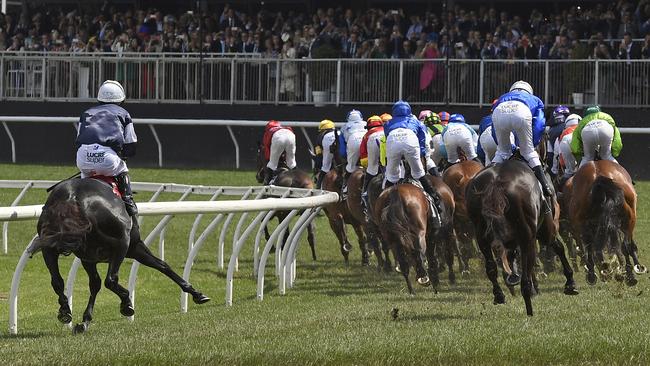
(572, 120)
(355, 116)
(522, 85)
(111, 92)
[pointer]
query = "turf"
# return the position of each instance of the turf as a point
(334, 315)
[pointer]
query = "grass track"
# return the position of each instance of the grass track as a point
(334, 315)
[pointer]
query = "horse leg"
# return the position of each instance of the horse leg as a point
(312, 240)
(373, 241)
(634, 250)
(385, 247)
(491, 271)
(338, 226)
(570, 285)
(112, 281)
(432, 260)
(588, 245)
(142, 254)
(94, 284)
(419, 257)
(51, 258)
(629, 274)
(527, 268)
(449, 256)
(403, 266)
(363, 244)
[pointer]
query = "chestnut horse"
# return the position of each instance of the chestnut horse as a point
(457, 177)
(602, 209)
(504, 202)
(405, 221)
(295, 178)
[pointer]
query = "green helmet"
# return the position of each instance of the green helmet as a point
(591, 110)
(432, 119)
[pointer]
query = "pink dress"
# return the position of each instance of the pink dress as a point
(429, 70)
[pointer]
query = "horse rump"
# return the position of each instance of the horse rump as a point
(395, 222)
(607, 211)
(63, 225)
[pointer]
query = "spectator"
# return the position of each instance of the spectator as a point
(628, 50)
(561, 49)
(352, 46)
(395, 49)
(525, 50)
(645, 51)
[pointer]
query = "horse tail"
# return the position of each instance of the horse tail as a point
(395, 220)
(607, 207)
(494, 203)
(63, 225)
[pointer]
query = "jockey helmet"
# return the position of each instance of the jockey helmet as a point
(374, 121)
(592, 109)
(325, 124)
(522, 85)
(272, 123)
(572, 120)
(111, 91)
(432, 119)
(444, 117)
(401, 109)
(424, 114)
(354, 116)
(385, 117)
(457, 118)
(560, 113)
(494, 104)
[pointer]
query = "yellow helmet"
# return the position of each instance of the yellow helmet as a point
(386, 117)
(325, 124)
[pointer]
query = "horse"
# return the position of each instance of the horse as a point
(85, 217)
(286, 177)
(457, 177)
(354, 206)
(505, 204)
(338, 214)
(405, 221)
(602, 209)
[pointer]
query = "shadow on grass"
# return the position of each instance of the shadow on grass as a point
(22, 336)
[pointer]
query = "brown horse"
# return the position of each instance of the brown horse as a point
(457, 177)
(603, 211)
(405, 221)
(294, 178)
(505, 205)
(563, 198)
(339, 214)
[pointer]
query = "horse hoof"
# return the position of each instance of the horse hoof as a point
(79, 328)
(347, 247)
(465, 272)
(365, 262)
(397, 269)
(570, 290)
(64, 318)
(127, 310)
(199, 298)
(424, 281)
(452, 279)
(513, 279)
(640, 269)
(631, 281)
(619, 277)
(500, 299)
(591, 278)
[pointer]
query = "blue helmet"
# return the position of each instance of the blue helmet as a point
(560, 113)
(457, 118)
(401, 109)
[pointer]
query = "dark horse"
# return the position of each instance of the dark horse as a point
(602, 209)
(294, 178)
(85, 217)
(405, 220)
(504, 202)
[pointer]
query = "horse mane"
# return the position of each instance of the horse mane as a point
(63, 225)
(607, 212)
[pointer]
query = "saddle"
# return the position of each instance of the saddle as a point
(110, 181)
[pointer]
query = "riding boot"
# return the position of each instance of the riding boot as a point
(388, 184)
(364, 192)
(546, 189)
(319, 179)
(426, 184)
(124, 186)
(434, 172)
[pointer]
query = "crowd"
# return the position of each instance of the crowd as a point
(481, 32)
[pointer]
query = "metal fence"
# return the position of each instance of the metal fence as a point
(238, 80)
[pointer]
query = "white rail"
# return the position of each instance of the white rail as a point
(295, 200)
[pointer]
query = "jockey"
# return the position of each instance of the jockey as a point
(444, 117)
(596, 132)
(563, 155)
(385, 117)
(459, 134)
(430, 163)
(369, 152)
(521, 112)
(105, 138)
(424, 114)
(556, 126)
(349, 142)
(277, 140)
(325, 148)
(436, 146)
(405, 138)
